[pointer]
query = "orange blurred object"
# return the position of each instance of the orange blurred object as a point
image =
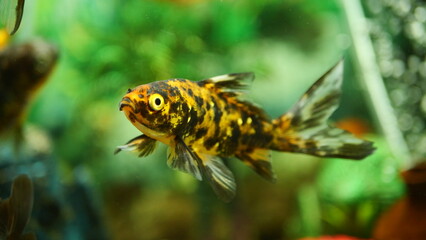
(356, 126)
(406, 219)
(337, 237)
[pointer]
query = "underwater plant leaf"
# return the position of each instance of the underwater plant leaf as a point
(20, 205)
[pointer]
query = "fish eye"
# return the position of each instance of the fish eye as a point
(156, 102)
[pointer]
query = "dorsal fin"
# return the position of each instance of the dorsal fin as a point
(232, 86)
(236, 83)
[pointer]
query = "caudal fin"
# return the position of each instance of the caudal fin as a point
(304, 129)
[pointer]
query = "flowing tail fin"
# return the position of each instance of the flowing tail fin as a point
(304, 129)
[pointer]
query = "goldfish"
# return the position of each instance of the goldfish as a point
(204, 122)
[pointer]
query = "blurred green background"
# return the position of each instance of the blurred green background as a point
(107, 47)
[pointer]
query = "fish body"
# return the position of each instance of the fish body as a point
(203, 122)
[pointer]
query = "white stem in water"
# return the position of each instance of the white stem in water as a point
(373, 81)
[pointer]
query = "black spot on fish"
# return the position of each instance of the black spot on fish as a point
(129, 90)
(143, 109)
(232, 141)
(245, 138)
(258, 128)
(180, 80)
(158, 87)
(199, 100)
(190, 92)
(236, 133)
(217, 114)
(174, 107)
(132, 117)
(310, 144)
(259, 138)
(200, 133)
(227, 108)
(189, 118)
(201, 118)
(234, 107)
(173, 91)
(244, 116)
(209, 143)
(217, 132)
(194, 118)
(185, 108)
(266, 139)
(138, 106)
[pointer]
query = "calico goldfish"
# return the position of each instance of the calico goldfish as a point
(206, 121)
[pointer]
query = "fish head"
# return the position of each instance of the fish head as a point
(149, 108)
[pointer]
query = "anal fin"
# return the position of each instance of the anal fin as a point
(259, 160)
(142, 144)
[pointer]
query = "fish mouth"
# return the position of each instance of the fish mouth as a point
(126, 102)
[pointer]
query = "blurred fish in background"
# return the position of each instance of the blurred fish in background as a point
(24, 68)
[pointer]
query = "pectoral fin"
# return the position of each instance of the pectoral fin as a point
(202, 166)
(220, 178)
(182, 158)
(142, 144)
